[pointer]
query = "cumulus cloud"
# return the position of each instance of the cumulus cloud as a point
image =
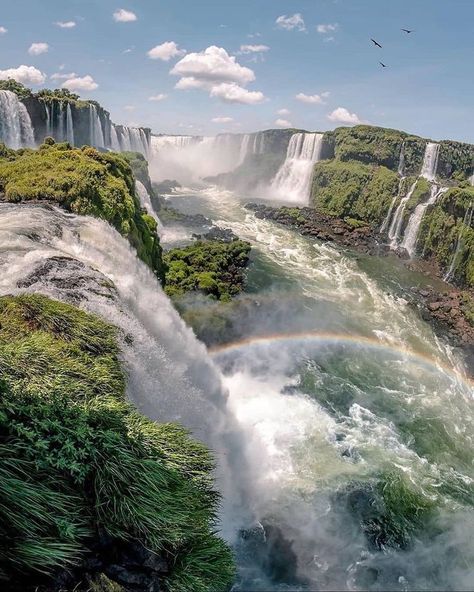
(24, 74)
(62, 75)
(283, 123)
(244, 49)
(38, 48)
(312, 99)
(222, 119)
(328, 28)
(342, 115)
(159, 97)
(214, 70)
(3, 30)
(165, 51)
(283, 112)
(230, 92)
(65, 24)
(124, 16)
(83, 83)
(289, 23)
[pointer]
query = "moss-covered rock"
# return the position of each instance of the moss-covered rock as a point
(352, 189)
(84, 181)
(212, 267)
(83, 475)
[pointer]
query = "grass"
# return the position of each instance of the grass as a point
(76, 459)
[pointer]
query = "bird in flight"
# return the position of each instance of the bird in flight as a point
(376, 43)
(383, 65)
(407, 30)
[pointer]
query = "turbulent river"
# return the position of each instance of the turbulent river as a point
(342, 426)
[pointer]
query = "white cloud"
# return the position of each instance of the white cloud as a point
(3, 30)
(38, 48)
(311, 99)
(253, 48)
(65, 24)
(283, 112)
(80, 83)
(62, 76)
(24, 74)
(283, 123)
(230, 92)
(159, 97)
(342, 115)
(219, 73)
(222, 119)
(291, 22)
(129, 107)
(165, 51)
(328, 28)
(124, 16)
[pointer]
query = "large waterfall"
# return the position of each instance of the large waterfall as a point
(95, 128)
(430, 161)
(16, 130)
(293, 180)
(145, 201)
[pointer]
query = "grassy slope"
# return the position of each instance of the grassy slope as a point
(83, 181)
(76, 459)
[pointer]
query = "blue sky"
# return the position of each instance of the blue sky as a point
(427, 88)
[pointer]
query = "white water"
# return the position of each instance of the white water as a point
(401, 171)
(96, 132)
(16, 130)
(145, 201)
(413, 227)
(293, 180)
(430, 161)
(428, 171)
(466, 223)
(49, 128)
(69, 125)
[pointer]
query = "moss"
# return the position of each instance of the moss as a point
(354, 190)
(214, 268)
(78, 461)
(84, 181)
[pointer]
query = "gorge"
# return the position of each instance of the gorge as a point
(340, 421)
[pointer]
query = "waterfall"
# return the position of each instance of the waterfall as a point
(430, 161)
(401, 170)
(145, 201)
(471, 180)
(95, 128)
(114, 139)
(411, 233)
(244, 147)
(293, 180)
(396, 225)
(69, 125)
(16, 130)
(61, 135)
(49, 127)
(466, 223)
(401, 161)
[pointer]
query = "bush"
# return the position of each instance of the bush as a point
(77, 460)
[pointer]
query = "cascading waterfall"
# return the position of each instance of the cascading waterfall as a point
(401, 171)
(114, 139)
(466, 223)
(69, 125)
(293, 180)
(16, 130)
(428, 171)
(145, 202)
(49, 128)
(61, 126)
(95, 128)
(413, 227)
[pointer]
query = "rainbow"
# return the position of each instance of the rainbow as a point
(344, 339)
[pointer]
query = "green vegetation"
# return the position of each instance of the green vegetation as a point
(19, 89)
(354, 190)
(84, 181)
(214, 268)
(77, 461)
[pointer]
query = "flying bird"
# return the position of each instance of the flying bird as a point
(383, 65)
(376, 43)
(407, 30)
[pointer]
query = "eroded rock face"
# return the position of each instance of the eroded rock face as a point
(69, 278)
